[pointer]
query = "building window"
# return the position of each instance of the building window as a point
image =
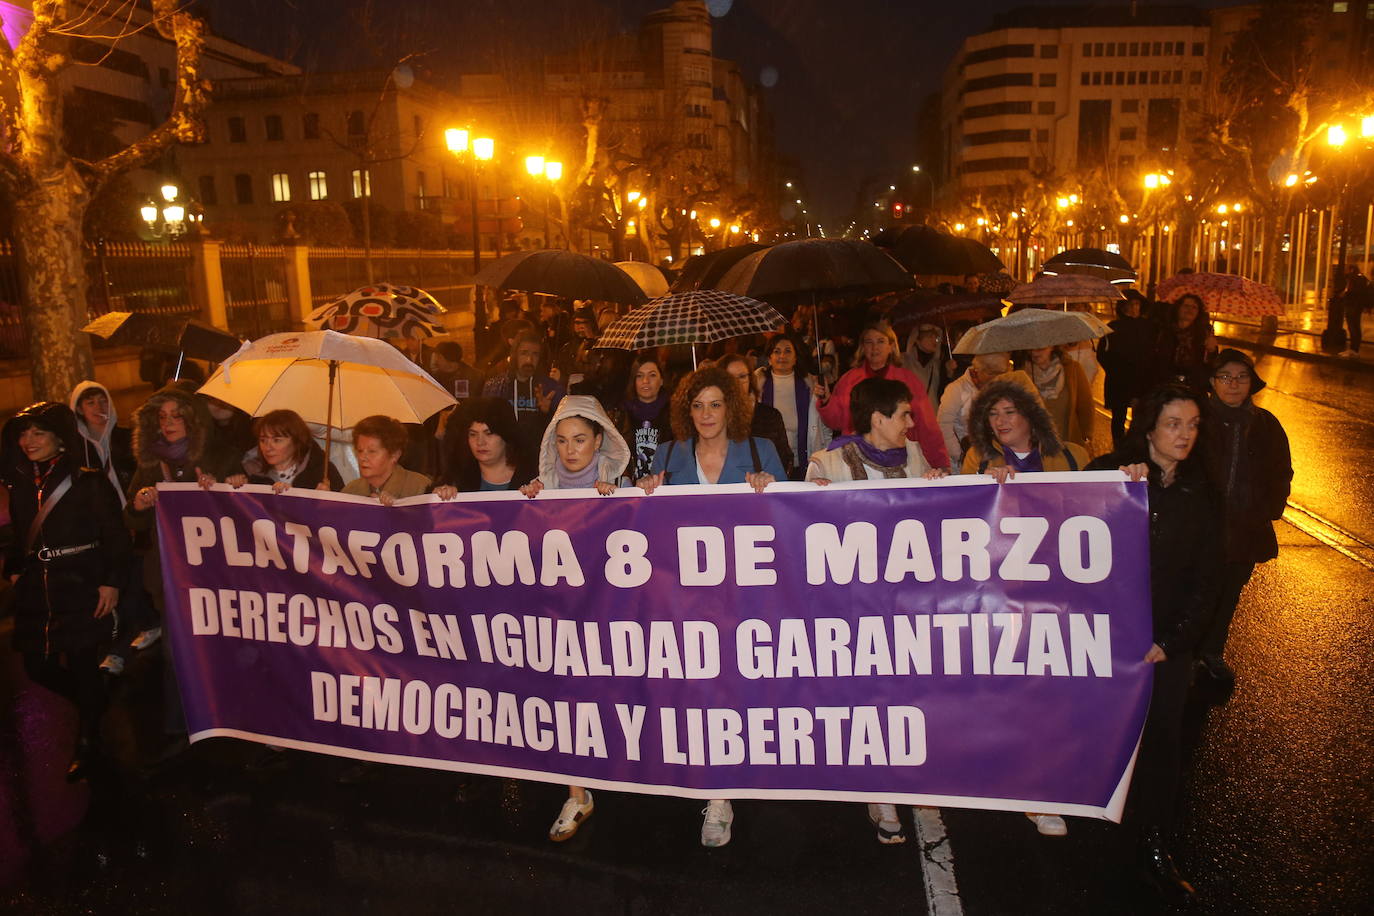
(281, 187)
(1154, 77)
(1199, 49)
(319, 186)
(1130, 78)
(1369, 11)
(1049, 52)
(1049, 79)
(1087, 50)
(1044, 108)
(243, 189)
(1340, 7)
(1107, 79)
(1120, 78)
(310, 125)
(1178, 77)
(1085, 78)
(207, 190)
(1097, 49)
(1121, 49)
(272, 124)
(356, 125)
(1042, 135)
(362, 183)
(164, 77)
(419, 125)
(421, 188)
(1130, 106)
(1135, 49)
(1144, 78)
(237, 132)
(1097, 78)
(1127, 133)
(1111, 49)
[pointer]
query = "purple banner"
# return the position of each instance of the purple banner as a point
(949, 642)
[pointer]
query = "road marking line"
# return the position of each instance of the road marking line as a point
(1339, 539)
(937, 864)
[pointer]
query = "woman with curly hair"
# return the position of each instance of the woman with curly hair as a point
(482, 451)
(712, 445)
(1010, 431)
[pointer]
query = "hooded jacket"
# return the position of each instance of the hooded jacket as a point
(212, 458)
(611, 458)
(112, 451)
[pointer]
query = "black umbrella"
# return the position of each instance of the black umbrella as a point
(183, 336)
(562, 273)
(923, 250)
(1093, 262)
(946, 310)
(809, 269)
(705, 270)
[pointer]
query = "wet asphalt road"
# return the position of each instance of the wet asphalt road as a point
(1280, 810)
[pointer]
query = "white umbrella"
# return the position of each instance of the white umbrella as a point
(327, 377)
(1031, 329)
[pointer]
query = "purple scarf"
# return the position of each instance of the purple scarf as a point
(1031, 462)
(172, 452)
(643, 413)
(882, 457)
(803, 395)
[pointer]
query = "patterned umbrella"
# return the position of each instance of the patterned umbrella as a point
(1224, 293)
(381, 310)
(1030, 329)
(562, 273)
(1065, 290)
(697, 316)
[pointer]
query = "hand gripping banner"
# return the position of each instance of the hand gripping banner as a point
(951, 642)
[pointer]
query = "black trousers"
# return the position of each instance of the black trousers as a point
(1233, 578)
(1159, 765)
(75, 676)
(1353, 316)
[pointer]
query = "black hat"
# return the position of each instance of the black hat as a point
(1232, 355)
(49, 416)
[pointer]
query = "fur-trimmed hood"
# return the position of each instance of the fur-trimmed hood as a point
(146, 431)
(1043, 433)
(611, 459)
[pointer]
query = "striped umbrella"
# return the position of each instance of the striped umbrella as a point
(1064, 290)
(1224, 293)
(697, 316)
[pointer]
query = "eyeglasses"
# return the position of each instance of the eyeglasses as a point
(1233, 379)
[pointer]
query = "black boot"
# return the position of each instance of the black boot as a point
(1159, 866)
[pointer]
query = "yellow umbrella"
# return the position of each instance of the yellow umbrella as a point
(647, 276)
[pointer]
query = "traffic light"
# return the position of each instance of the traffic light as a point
(897, 210)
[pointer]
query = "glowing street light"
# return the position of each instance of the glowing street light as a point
(1367, 126)
(553, 171)
(631, 197)
(534, 165)
(484, 148)
(1336, 136)
(169, 192)
(1291, 180)
(456, 138)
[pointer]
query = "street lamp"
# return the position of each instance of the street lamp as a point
(553, 171)
(472, 151)
(173, 219)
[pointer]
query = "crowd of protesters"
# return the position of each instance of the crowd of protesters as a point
(831, 396)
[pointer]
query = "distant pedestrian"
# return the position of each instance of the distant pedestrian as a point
(1065, 390)
(1356, 297)
(1185, 344)
(1127, 356)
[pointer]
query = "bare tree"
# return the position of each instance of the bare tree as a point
(49, 189)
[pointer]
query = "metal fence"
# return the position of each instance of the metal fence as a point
(255, 289)
(446, 275)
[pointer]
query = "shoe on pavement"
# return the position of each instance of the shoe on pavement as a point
(1347, 354)
(718, 815)
(1216, 668)
(884, 817)
(113, 664)
(147, 638)
(1049, 824)
(572, 815)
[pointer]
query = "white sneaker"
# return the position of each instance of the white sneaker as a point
(1049, 824)
(112, 664)
(719, 814)
(884, 817)
(147, 638)
(572, 815)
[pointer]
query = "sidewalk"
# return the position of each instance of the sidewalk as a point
(1298, 337)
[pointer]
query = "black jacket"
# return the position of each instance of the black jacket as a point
(1127, 356)
(768, 424)
(1185, 550)
(1251, 471)
(310, 476)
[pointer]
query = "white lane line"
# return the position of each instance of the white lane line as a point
(937, 864)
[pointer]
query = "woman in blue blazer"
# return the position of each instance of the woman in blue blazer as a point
(712, 446)
(711, 438)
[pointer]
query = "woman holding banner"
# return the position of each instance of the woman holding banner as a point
(581, 448)
(482, 451)
(1185, 561)
(1010, 431)
(712, 445)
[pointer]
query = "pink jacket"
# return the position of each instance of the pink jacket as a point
(926, 432)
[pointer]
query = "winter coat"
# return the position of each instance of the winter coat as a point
(1127, 356)
(1073, 409)
(835, 412)
(55, 597)
(401, 484)
(612, 459)
(1185, 550)
(112, 452)
(205, 450)
(767, 423)
(1251, 471)
(308, 478)
(985, 451)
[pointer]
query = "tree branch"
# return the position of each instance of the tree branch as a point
(184, 124)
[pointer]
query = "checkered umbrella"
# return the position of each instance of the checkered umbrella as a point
(381, 310)
(697, 316)
(1224, 293)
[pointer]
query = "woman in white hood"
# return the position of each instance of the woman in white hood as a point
(580, 448)
(108, 445)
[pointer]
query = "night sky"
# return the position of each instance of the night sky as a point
(850, 74)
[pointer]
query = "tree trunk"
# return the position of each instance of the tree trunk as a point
(51, 261)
